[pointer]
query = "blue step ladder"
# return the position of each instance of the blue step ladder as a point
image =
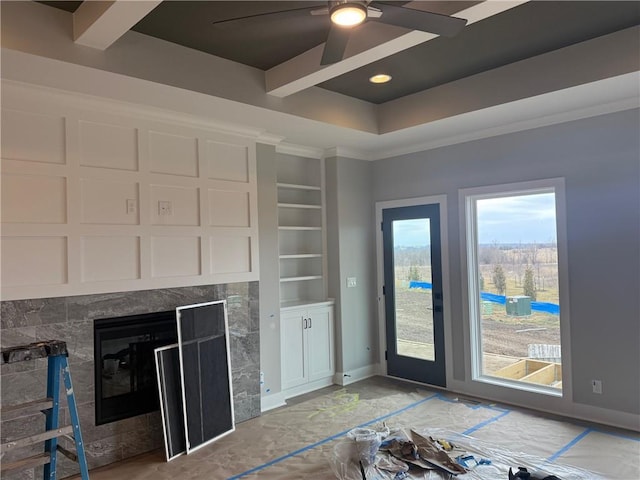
(58, 366)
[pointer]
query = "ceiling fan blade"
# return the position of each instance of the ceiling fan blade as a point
(373, 12)
(419, 20)
(336, 44)
(259, 18)
(320, 11)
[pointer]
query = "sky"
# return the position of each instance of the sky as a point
(516, 219)
(411, 233)
(520, 219)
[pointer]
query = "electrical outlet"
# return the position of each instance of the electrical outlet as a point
(351, 282)
(131, 206)
(164, 208)
(597, 386)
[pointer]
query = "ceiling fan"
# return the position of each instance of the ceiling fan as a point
(347, 15)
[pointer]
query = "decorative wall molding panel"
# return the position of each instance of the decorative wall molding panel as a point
(99, 196)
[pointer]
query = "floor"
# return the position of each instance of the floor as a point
(303, 439)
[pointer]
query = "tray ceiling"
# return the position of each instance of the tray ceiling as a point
(530, 29)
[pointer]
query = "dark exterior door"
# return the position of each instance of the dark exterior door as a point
(413, 293)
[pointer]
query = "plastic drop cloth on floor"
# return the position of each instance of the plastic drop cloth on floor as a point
(483, 461)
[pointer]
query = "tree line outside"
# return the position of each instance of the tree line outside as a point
(505, 269)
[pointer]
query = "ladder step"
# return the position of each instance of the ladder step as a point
(24, 463)
(33, 439)
(32, 351)
(67, 453)
(40, 404)
(57, 365)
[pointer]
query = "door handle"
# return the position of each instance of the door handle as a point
(304, 324)
(309, 322)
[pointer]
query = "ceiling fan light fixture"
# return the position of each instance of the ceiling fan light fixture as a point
(348, 14)
(380, 78)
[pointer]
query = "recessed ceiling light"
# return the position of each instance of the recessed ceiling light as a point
(380, 78)
(348, 14)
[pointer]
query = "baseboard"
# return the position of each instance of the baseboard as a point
(307, 387)
(269, 402)
(351, 376)
(275, 400)
(629, 421)
(555, 406)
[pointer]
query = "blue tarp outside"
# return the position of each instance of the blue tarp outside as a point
(551, 308)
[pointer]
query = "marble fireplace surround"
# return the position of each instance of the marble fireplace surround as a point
(71, 319)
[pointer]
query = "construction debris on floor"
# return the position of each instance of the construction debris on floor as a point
(398, 454)
(300, 441)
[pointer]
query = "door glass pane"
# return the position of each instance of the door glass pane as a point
(413, 285)
(518, 293)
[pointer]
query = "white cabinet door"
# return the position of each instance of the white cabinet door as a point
(307, 345)
(293, 348)
(320, 341)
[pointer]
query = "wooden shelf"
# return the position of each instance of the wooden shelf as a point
(299, 205)
(305, 302)
(301, 224)
(35, 405)
(295, 186)
(299, 279)
(291, 227)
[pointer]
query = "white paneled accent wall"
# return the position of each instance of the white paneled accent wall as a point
(48, 129)
(35, 260)
(99, 196)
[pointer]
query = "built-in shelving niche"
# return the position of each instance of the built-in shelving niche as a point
(301, 230)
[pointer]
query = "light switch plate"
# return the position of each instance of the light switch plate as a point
(131, 206)
(164, 208)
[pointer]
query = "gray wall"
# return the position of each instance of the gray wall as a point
(269, 268)
(351, 251)
(599, 158)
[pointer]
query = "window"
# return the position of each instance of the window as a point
(513, 274)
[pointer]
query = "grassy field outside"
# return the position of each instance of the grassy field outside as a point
(505, 338)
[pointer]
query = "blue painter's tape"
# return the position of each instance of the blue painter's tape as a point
(564, 449)
(439, 396)
(485, 423)
(332, 437)
(444, 398)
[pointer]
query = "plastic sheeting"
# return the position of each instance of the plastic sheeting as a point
(296, 442)
(484, 461)
(551, 308)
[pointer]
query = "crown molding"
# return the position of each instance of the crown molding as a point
(299, 150)
(269, 138)
(41, 78)
(606, 96)
(346, 153)
(118, 107)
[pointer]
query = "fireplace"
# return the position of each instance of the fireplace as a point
(125, 375)
(71, 319)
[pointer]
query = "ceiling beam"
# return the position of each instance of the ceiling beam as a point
(305, 71)
(98, 24)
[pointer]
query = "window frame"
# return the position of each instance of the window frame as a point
(468, 219)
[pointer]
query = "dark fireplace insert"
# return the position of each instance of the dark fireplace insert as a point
(125, 372)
